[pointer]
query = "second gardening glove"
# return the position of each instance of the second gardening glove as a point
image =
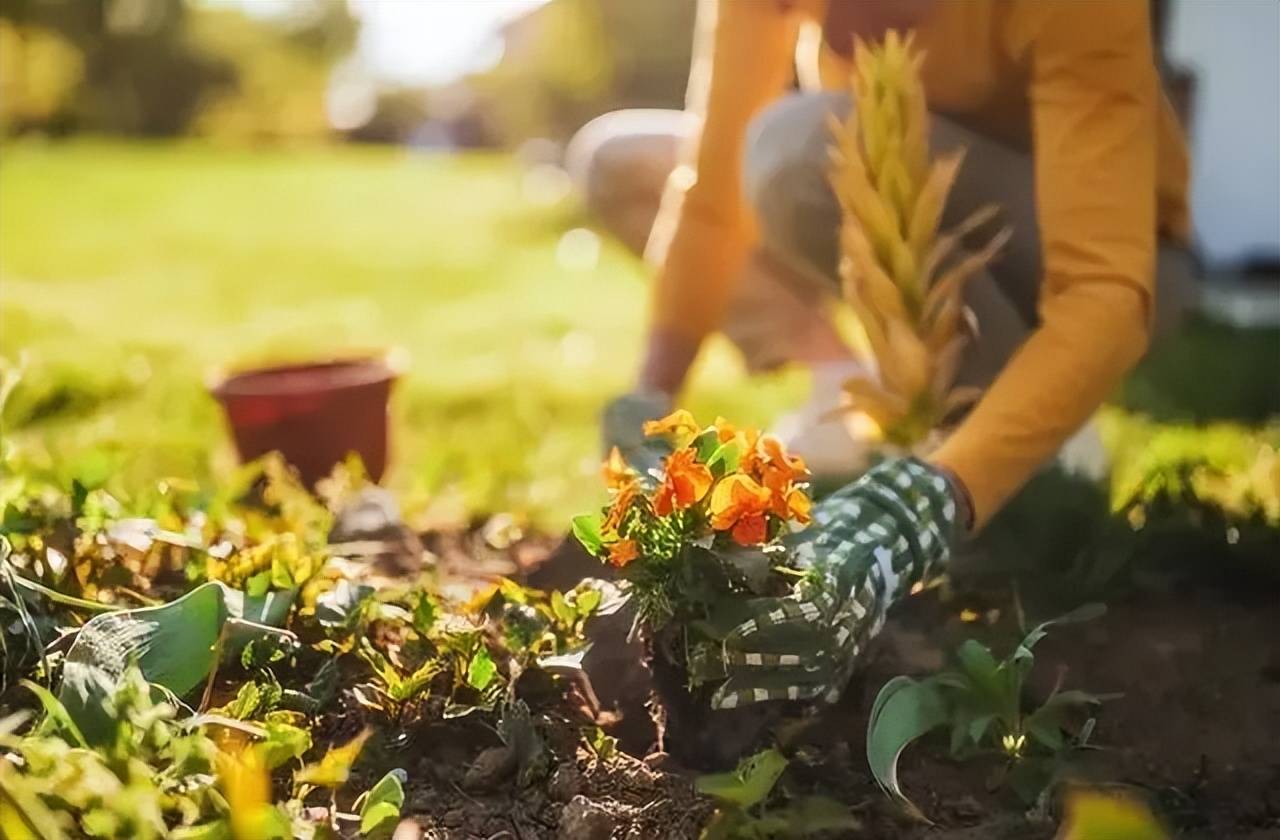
(869, 544)
(622, 426)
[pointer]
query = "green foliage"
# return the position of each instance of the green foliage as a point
(393, 689)
(1208, 372)
(404, 652)
(174, 646)
(165, 67)
(380, 806)
(152, 774)
(578, 59)
(980, 701)
(604, 745)
(743, 792)
(586, 529)
(481, 670)
(748, 784)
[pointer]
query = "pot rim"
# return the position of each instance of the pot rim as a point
(291, 378)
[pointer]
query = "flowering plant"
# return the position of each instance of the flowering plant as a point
(708, 523)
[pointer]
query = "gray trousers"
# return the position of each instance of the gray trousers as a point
(622, 159)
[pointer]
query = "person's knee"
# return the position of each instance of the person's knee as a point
(619, 163)
(627, 150)
(786, 177)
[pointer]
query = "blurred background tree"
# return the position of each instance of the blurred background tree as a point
(167, 67)
(173, 67)
(570, 60)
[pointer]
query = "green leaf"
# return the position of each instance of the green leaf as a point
(604, 745)
(259, 584)
(1087, 612)
(481, 670)
(725, 459)
(811, 815)
(588, 601)
(587, 530)
(218, 830)
(706, 444)
(565, 613)
(424, 613)
(381, 809)
(244, 705)
(283, 743)
(747, 785)
(175, 645)
(334, 769)
(1046, 723)
(904, 710)
(978, 727)
(57, 719)
(1022, 658)
(982, 671)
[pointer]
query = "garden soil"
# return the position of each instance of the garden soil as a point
(1196, 732)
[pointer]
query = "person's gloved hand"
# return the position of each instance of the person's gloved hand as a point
(622, 425)
(869, 543)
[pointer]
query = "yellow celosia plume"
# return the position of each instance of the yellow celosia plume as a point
(903, 279)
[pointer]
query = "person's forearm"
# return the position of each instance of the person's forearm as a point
(667, 360)
(1091, 335)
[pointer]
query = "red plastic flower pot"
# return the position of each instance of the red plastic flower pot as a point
(314, 414)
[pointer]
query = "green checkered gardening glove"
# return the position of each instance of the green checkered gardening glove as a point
(869, 543)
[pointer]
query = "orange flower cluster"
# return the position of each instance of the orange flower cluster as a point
(764, 485)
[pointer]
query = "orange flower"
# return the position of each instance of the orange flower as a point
(778, 471)
(623, 552)
(615, 471)
(794, 506)
(779, 464)
(618, 509)
(740, 505)
(679, 425)
(751, 459)
(686, 482)
(725, 430)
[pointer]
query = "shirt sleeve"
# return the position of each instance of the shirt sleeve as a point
(742, 61)
(1094, 97)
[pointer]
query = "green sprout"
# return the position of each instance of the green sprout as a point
(980, 700)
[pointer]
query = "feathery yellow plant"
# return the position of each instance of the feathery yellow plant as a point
(903, 278)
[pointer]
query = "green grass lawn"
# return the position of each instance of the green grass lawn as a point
(129, 271)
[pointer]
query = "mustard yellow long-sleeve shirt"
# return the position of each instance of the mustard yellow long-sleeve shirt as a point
(1074, 80)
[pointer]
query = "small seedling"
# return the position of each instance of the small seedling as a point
(980, 701)
(394, 688)
(741, 795)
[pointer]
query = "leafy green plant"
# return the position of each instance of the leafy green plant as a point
(394, 688)
(175, 646)
(153, 774)
(980, 700)
(380, 806)
(742, 793)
